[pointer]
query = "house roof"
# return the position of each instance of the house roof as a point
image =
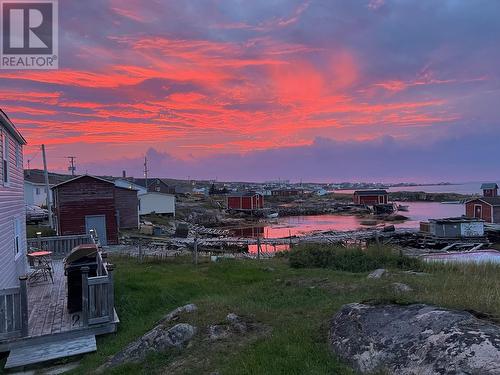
(243, 194)
(37, 176)
(452, 220)
(150, 193)
(370, 192)
(126, 188)
(489, 186)
(79, 177)
(4, 119)
(492, 201)
(130, 183)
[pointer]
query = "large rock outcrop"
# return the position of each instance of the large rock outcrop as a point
(160, 338)
(415, 339)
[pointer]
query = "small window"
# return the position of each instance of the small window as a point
(37, 191)
(5, 159)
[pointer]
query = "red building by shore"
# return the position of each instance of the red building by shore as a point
(486, 207)
(245, 201)
(370, 197)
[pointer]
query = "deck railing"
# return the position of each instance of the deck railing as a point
(14, 312)
(59, 245)
(98, 294)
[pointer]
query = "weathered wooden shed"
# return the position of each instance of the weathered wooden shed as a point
(454, 228)
(370, 197)
(485, 208)
(490, 190)
(127, 207)
(89, 202)
(245, 201)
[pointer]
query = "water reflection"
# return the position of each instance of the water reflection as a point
(300, 225)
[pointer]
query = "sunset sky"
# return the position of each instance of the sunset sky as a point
(319, 90)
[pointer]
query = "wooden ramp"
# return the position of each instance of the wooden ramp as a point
(42, 352)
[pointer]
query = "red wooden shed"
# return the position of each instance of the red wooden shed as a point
(87, 202)
(370, 197)
(245, 201)
(485, 208)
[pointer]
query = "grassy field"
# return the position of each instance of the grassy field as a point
(296, 305)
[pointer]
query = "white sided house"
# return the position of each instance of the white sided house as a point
(124, 183)
(158, 203)
(12, 208)
(36, 193)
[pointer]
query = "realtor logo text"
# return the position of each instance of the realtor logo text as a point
(29, 37)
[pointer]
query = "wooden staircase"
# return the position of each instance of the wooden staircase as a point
(46, 351)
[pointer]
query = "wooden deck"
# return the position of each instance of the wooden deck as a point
(47, 306)
(50, 322)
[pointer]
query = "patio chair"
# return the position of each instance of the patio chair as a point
(41, 269)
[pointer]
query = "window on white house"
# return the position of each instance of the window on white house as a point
(17, 235)
(5, 159)
(19, 159)
(37, 191)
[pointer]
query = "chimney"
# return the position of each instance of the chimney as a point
(124, 174)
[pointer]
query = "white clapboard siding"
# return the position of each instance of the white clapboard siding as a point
(11, 207)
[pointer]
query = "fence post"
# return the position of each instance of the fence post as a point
(24, 305)
(85, 296)
(111, 293)
(258, 246)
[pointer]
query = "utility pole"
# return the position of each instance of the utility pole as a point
(72, 167)
(47, 188)
(146, 171)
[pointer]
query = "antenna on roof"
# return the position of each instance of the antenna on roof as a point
(146, 170)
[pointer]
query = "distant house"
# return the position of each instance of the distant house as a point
(87, 202)
(12, 207)
(128, 184)
(486, 207)
(35, 192)
(321, 192)
(490, 190)
(245, 201)
(158, 203)
(286, 192)
(370, 197)
(156, 185)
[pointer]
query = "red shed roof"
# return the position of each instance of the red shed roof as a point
(79, 177)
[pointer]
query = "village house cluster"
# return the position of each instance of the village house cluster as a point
(88, 213)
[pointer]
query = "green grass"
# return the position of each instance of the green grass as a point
(350, 259)
(295, 304)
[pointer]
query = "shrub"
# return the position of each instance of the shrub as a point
(350, 259)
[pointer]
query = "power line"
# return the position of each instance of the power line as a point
(72, 167)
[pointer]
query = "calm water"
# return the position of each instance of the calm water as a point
(300, 225)
(465, 188)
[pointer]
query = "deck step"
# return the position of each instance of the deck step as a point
(36, 353)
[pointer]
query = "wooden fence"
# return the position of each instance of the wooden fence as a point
(98, 295)
(14, 312)
(59, 245)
